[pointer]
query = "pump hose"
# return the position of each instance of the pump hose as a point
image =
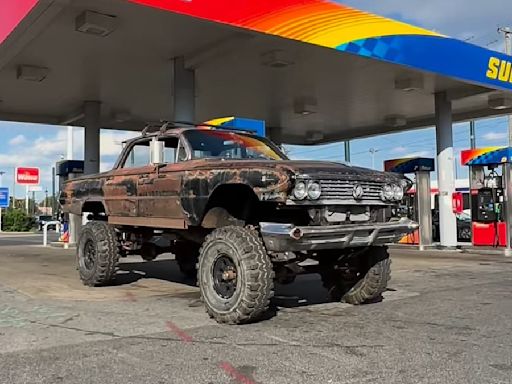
(496, 234)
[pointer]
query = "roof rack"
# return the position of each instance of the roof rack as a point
(164, 126)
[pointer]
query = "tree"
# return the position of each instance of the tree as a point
(16, 220)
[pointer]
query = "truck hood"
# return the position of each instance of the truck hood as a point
(308, 168)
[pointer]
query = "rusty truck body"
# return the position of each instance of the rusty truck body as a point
(239, 215)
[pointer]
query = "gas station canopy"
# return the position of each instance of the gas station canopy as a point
(315, 71)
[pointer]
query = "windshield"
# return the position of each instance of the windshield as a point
(230, 145)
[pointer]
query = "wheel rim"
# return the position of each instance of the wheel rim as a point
(89, 255)
(224, 276)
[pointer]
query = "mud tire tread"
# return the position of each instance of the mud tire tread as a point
(258, 288)
(370, 287)
(108, 252)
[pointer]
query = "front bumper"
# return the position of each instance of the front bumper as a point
(288, 237)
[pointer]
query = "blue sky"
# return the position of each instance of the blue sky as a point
(42, 146)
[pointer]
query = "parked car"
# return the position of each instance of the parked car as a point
(232, 204)
(464, 227)
(42, 220)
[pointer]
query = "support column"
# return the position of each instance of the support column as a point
(92, 110)
(183, 87)
(424, 208)
(445, 170)
(92, 113)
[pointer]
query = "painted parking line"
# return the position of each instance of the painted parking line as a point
(184, 336)
(235, 374)
(225, 366)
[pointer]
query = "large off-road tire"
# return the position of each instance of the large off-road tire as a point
(186, 254)
(98, 253)
(149, 252)
(235, 275)
(364, 283)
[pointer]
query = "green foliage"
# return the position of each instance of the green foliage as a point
(16, 220)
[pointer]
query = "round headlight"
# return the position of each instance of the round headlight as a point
(300, 191)
(398, 192)
(314, 191)
(387, 192)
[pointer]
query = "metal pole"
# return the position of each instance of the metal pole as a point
(53, 192)
(472, 134)
(347, 151)
(373, 151)
(14, 188)
(26, 200)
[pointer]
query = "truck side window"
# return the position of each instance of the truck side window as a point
(170, 148)
(139, 155)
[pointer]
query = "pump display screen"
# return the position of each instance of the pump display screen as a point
(485, 205)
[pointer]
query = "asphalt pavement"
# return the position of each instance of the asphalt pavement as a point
(445, 319)
(24, 239)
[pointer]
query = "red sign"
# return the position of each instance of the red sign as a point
(27, 176)
(12, 13)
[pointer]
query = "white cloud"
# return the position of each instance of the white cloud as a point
(495, 136)
(111, 142)
(399, 149)
(44, 151)
(18, 140)
(418, 154)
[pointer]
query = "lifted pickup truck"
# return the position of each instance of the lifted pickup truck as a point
(239, 215)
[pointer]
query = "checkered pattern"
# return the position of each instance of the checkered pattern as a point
(385, 48)
(494, 157)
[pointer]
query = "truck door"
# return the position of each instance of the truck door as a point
(159, 193)
(122, 186)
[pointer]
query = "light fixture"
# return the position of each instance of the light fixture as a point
(409, 83)
(500, 101)
(121, 116)
(305, 106)
(95, 23)
(395, 121)
(31, 73)
(314, 136)
(276, 59)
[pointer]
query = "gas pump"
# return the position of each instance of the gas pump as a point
(490, 187)
(67, 170)
(417, 206)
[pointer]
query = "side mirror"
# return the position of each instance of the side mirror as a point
(156, 148)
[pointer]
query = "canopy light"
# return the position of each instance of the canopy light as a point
(305, 106)
(500, 101)
(408, 84)
(121, 116)
(395, 121)
(314, 136)
(94, 23)
(276, 59)
(32, 73)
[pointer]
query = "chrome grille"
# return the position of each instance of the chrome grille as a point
(333, 189)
